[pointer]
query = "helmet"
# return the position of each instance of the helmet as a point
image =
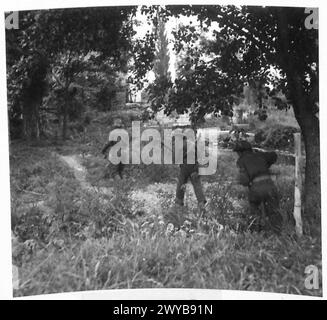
(242, 145)
(118, 123)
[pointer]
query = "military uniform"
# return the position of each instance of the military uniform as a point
(255, 174)
(117, 169)
(189, 172)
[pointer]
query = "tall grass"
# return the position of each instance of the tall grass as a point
(90, 241)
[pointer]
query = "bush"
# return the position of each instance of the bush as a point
(276, 138)
(98, 239)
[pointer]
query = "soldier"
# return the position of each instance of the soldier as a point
(189, 172)
(254, 173)
(117, 168)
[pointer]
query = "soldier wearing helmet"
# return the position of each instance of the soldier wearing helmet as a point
(255, 174)
(117, 168)
(189, 171)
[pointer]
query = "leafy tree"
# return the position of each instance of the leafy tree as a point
(26, 87)
(142, 57)
(248, 42)
(70, 34)
(161, 64)
(62, 81)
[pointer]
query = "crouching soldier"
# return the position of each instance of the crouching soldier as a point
(189, 172)
(254, 173)
(117, 168)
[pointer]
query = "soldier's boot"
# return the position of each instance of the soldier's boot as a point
(276, 223)
(180, 189)
(202, 209)
(120, 170)
(255, 221)
(198, 190)
(179, 202)
(262, 218)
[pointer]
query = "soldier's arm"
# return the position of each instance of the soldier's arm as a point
(107, 146)
(270, 157)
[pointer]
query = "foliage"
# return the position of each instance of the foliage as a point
(276, 138)
(63, 38)
(257, 46)
(77, 79)
(26, 85)
(79, 30)
(236, 56)
(91, 240)
(76, 238)
(105, 95)
(161, 64)
(142, 59)
(148, 260)
(158, 93)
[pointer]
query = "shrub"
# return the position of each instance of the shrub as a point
(276, 138)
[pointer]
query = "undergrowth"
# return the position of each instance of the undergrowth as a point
(72, 239)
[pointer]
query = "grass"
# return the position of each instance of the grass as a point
(81, 240)
(149, 257)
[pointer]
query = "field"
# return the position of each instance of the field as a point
(77, 229)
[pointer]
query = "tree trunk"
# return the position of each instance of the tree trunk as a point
(31, 123)
(312, 192)
(303, 106)
(309, 125)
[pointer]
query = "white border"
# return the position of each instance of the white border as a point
(146, 294)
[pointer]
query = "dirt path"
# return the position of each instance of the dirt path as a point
(146, 199)
(150, 199)
(80, 173)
